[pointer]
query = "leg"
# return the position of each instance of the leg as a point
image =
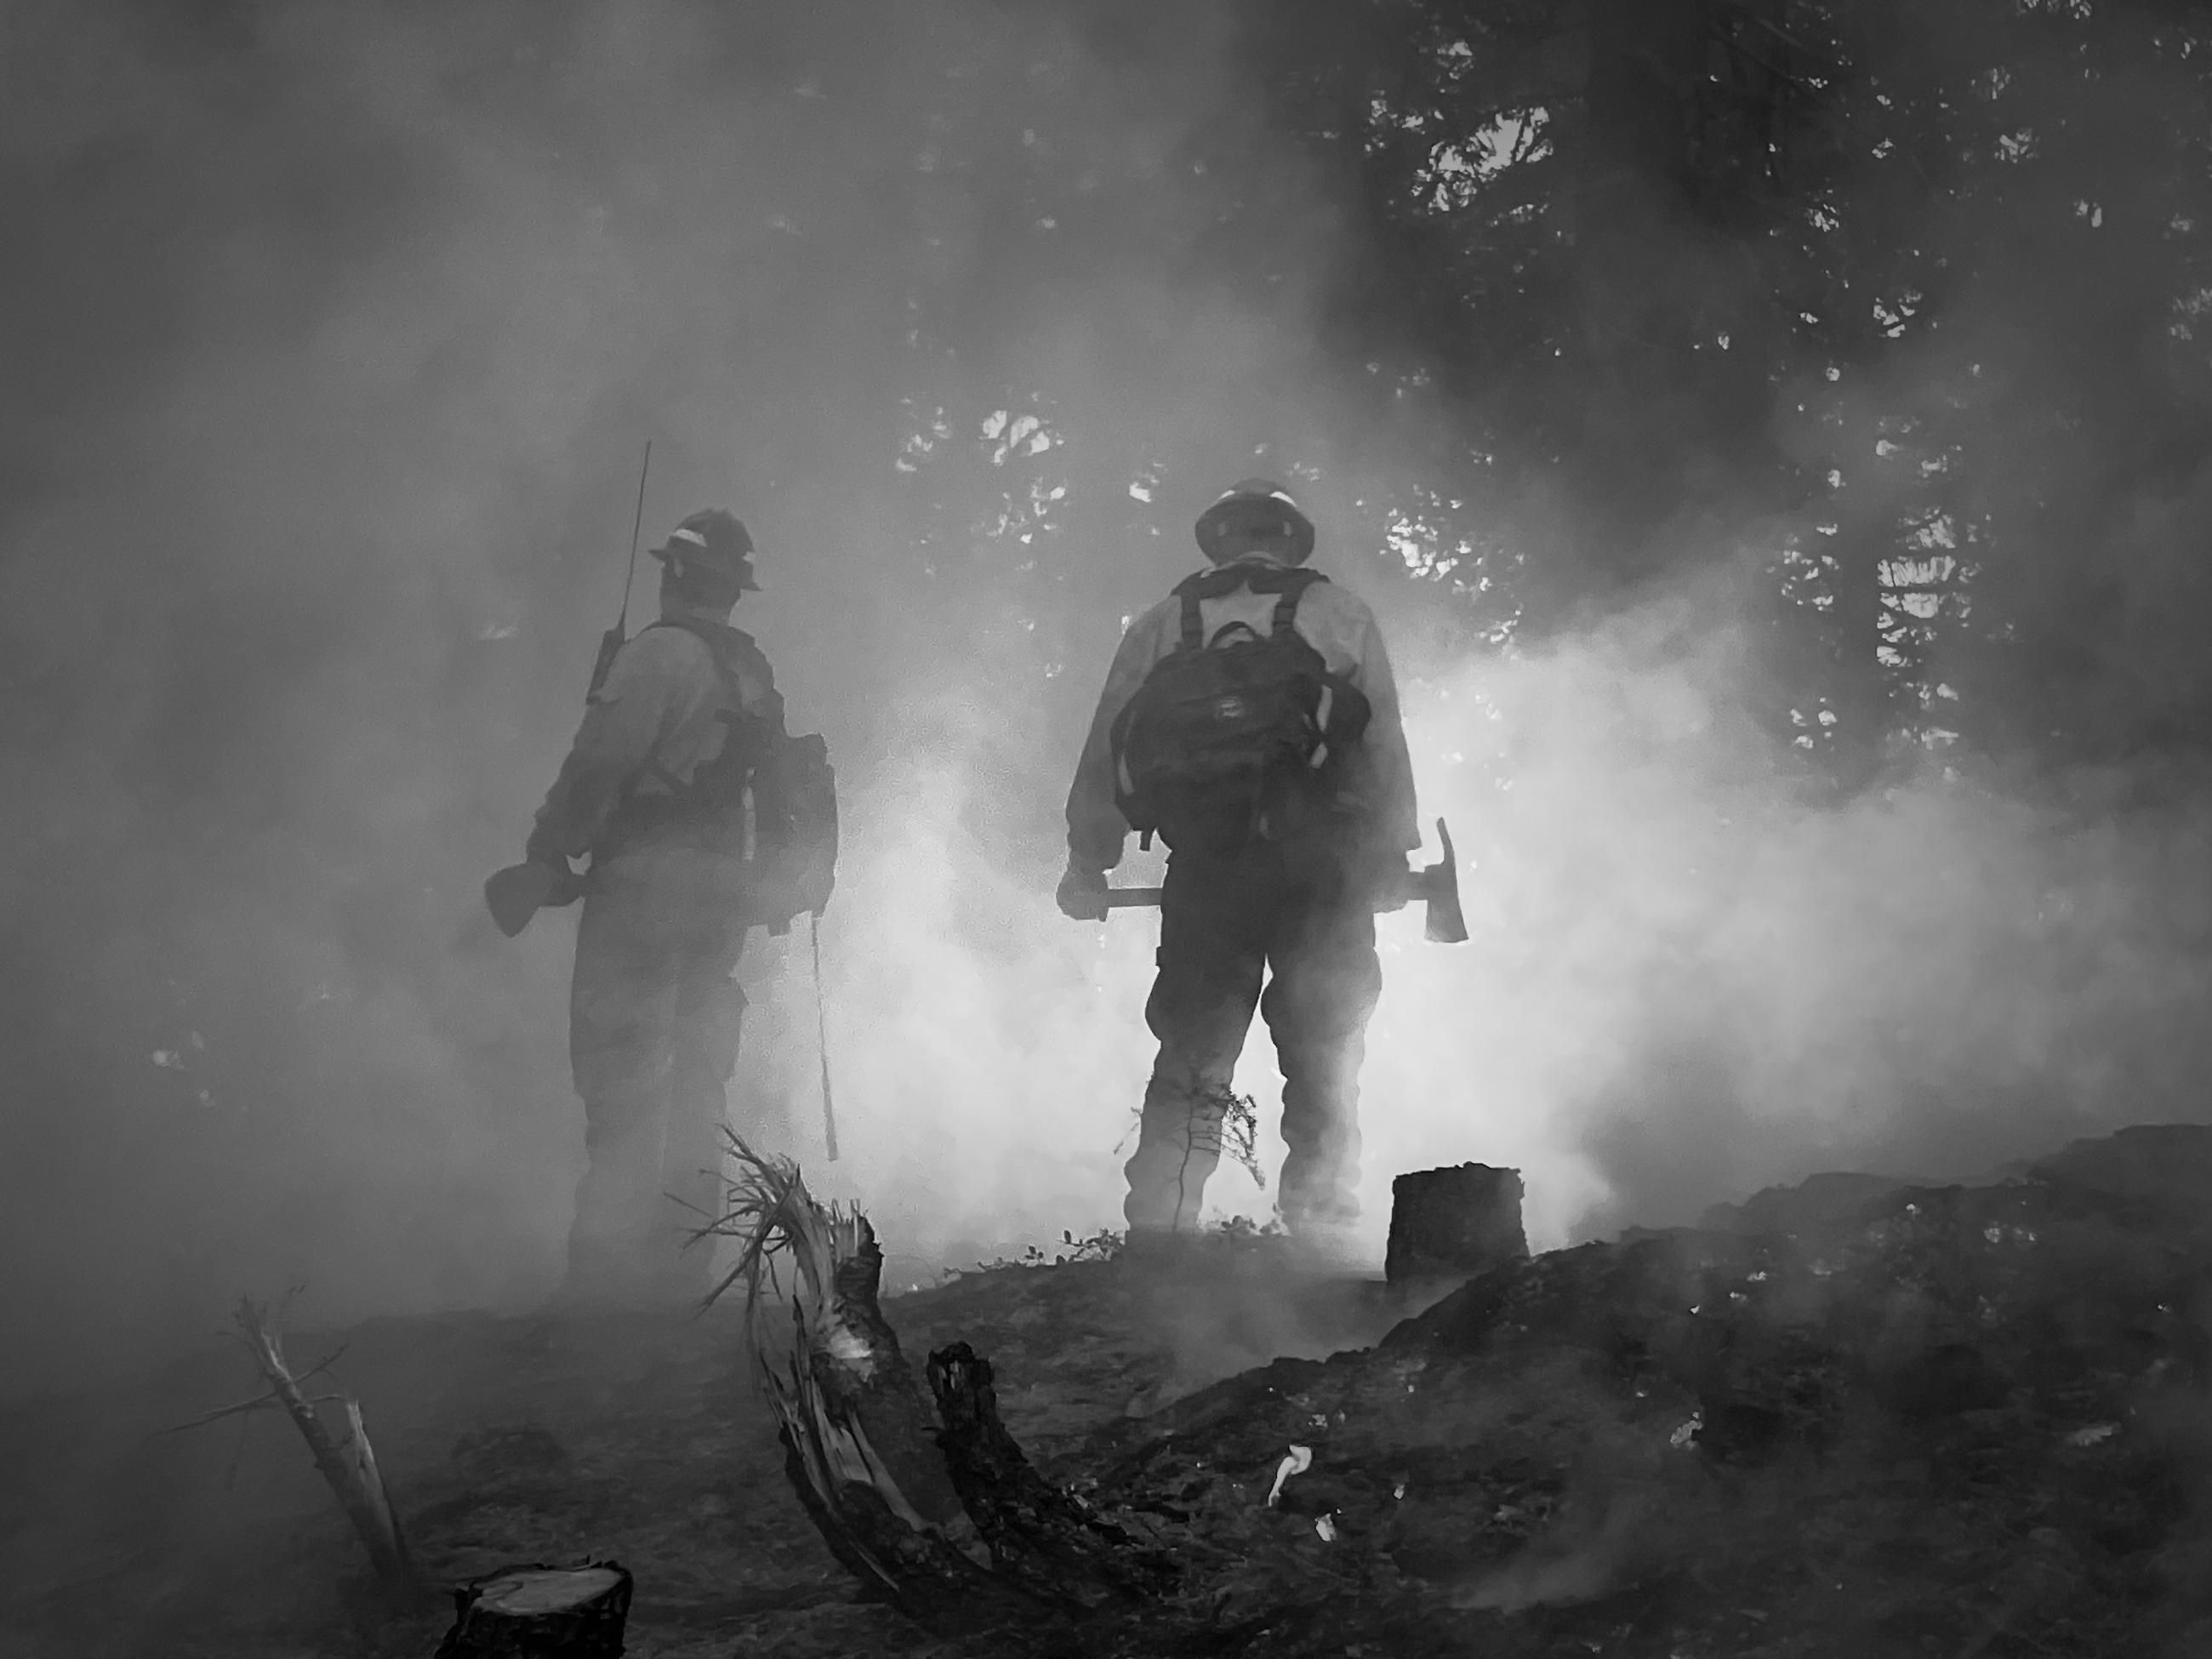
(1200, 1006)
(1326, 984)
(708, 1013)
(621, 1011)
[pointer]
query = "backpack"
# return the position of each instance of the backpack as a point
(1227, 735)
(795, 829)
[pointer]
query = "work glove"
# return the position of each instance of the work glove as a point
(1081, 895)
(567, 885)
(1380, 874)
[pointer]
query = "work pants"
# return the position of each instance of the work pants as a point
(653, 1019)
(1227, 921)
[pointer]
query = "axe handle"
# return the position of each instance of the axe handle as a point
(1144, 898)
(1435, 885)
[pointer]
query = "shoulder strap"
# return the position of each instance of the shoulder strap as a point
(1191, 590)
(1194, 629)
(1290, 584)
(734, 650)
(1293, 585)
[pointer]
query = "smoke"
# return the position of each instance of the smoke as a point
(350, 322)
(1691, 977)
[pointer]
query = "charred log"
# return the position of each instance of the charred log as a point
(1045, 1538)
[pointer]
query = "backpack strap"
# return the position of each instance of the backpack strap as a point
(734, 652)
(1293, 588)
(1288, 582)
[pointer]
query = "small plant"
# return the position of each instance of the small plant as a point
(1220, 1121)
(1240, 1134)
(1243, 1228)
(1101, 1246)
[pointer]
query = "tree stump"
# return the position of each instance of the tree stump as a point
(540, 1613)
(1453, 1224)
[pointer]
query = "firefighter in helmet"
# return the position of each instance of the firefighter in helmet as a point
(1250, 720)
(681, 763)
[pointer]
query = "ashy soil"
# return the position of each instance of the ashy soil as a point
(1852, 1418)
(642, 1439)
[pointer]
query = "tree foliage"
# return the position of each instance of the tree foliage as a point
(1897, 306)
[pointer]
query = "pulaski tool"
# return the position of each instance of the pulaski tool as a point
(1437, 885)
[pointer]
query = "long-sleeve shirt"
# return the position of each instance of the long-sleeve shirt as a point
(1337, 623)
(656, 720)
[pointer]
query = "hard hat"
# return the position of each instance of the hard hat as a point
(1255, 507)
(714, 540)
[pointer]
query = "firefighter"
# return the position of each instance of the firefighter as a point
(660, 790)
(1250, 720)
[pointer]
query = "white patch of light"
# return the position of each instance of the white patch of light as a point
(1457, 170)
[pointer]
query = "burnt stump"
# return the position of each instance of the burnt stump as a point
(538, 1613)
(1453, 1223)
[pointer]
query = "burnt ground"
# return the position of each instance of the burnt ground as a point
(643, 1439)
(1851, 1419)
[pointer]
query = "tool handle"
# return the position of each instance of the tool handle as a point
(617, 636)
(1148, 898)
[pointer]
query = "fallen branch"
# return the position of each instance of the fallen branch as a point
(259, 1402)
(351, 1467)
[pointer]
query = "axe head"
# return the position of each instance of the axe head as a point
(1438, 885)
(519, 891)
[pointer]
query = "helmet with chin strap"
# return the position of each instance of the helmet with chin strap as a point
(1255, 510)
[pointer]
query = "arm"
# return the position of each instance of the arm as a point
(624, 722)
(1096, 828)
(1397, 816)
